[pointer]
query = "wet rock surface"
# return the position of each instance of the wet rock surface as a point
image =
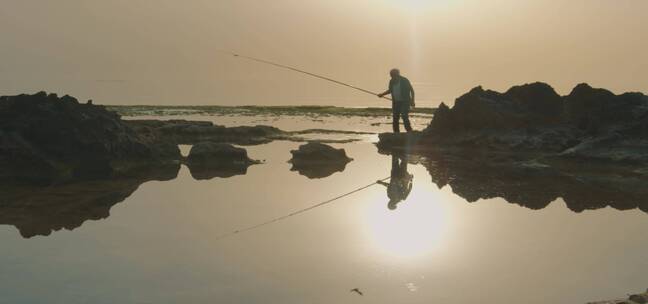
(208, 160)
(318, 160)
(193, 132)
(187, 132)
(46, 138)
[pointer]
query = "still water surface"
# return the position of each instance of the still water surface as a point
(162, 244)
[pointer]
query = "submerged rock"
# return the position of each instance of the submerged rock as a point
(317, 160)
(209, 160)
(48, 138)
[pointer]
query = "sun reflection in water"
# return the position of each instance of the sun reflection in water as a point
(414, 229)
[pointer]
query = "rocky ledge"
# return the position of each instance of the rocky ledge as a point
(533, 122)
(45, 138)
(184, 132)
(49, 139)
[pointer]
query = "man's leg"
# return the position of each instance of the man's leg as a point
(396, 117)
(405, 114)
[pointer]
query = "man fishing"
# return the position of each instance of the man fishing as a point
(402, 98)
(399, 87)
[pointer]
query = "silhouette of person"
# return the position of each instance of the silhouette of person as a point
(403, 97)
(400, 184)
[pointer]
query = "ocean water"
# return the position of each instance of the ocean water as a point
(171, 241)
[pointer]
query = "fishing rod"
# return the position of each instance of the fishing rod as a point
(302, 71)
(283, 217)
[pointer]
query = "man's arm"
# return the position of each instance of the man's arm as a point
(381, 95)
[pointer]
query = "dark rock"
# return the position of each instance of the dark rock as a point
(209, 160)
(588, 124)
(520, 107)
(539, 100)
(639, 298)
(46, 138)
(317, 160)
(595, 110)
(207, 152)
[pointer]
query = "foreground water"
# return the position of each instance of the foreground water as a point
(162, 244)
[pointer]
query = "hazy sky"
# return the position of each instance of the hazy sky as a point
(165, 51)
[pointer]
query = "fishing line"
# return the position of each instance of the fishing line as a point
(301, 71)
(283, 217)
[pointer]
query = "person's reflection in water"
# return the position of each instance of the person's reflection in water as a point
(400, 184)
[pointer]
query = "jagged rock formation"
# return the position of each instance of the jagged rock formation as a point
(47, 138)
(317, 160)
(592, 124)
(531, 146)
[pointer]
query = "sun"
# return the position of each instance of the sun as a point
(417, 7)
(416, 228)
(412, 5)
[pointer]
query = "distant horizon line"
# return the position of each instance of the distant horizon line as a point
(259, 106)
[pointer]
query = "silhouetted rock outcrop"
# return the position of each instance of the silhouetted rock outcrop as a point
(530, 146)
(641, 298)
(48, 138)
(317, 160)
(588, 123)
(208, 160)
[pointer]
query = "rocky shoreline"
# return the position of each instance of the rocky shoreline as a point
(49, 139)
(533, 123)
(531, 146)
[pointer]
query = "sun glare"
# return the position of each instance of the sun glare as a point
(419, 6)
(415, 228)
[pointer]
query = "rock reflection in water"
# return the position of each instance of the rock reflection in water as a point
(317, 160)
(36, 210)
(211, 171)
(534, 185)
